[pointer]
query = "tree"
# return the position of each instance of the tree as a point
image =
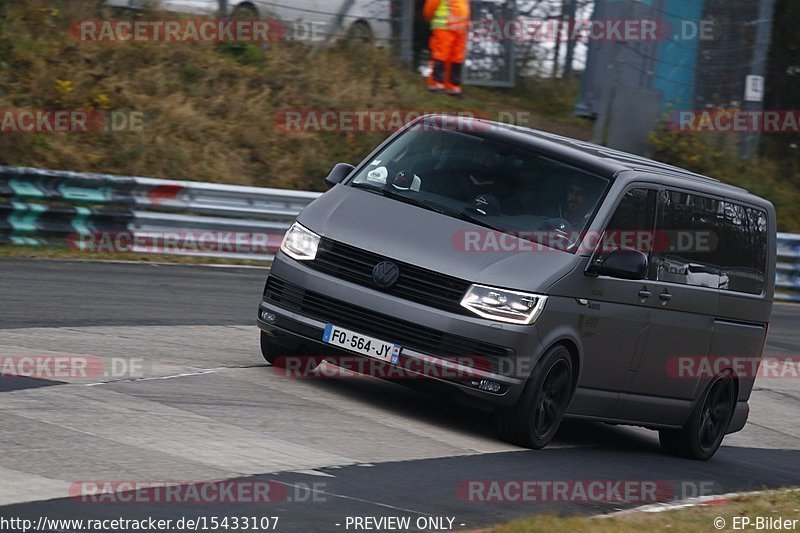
(783, 83)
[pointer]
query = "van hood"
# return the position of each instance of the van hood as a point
(411, 234)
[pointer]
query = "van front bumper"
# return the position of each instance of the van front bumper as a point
(301, 332)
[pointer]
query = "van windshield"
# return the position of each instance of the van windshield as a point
(500, 186)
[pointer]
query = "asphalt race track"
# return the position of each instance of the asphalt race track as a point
(192, 400)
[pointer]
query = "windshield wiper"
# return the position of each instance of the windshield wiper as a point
(455, 213)
(465, 215)
(431, 206)
(427, 204)
(364, 185)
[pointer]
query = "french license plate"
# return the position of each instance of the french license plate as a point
(363, 344)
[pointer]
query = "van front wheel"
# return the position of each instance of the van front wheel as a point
(701, 436)
(534, 420)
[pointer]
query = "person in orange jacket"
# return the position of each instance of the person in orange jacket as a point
(450, 27)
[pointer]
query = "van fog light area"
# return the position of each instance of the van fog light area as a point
(486, 385)
(266, 316)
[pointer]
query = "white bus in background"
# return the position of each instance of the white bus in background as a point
(304, 20)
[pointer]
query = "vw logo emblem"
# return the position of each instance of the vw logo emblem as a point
(385, 274)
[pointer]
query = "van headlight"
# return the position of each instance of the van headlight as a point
(300, 243)
(504, 305)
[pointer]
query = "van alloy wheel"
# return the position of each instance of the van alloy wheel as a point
(534, 420)
(702, 435)
(716, 413)
(551, 401)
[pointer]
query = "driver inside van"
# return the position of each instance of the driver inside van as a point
(576, 208)
(477, 181)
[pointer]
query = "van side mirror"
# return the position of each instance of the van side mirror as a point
(623, 263)
(338, 173)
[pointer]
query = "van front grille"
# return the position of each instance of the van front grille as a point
(415, 284)
(415, 336)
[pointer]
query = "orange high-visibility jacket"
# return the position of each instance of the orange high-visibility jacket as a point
(447, 14)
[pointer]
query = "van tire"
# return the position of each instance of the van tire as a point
(279, 356)
(534, 420)
(702, 435)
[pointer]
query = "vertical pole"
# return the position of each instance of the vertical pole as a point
(572, 9)
(586, 106)
(758, 67)
(512, 48)
(338, 23)
(223, 8)
(557, 50)
(609, 93)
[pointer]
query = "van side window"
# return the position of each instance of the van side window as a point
(631, 226)
(690, 227)
(743, 249)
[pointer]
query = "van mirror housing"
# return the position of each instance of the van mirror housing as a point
(623, 263)
(338, 173)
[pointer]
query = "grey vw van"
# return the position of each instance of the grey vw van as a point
(539, 275)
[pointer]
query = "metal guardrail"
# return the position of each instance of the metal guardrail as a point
(787, 275)
(39, 207)
(144, 215)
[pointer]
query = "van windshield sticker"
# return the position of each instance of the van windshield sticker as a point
(378, 175)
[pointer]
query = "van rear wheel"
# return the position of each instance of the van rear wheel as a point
(534, 420)
(702, 435)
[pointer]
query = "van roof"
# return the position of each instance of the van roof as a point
(608, 158)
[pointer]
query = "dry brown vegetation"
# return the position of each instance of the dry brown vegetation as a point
(209, 110)
(729, 515)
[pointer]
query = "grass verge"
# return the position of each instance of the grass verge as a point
(773, 504)
(213, 112)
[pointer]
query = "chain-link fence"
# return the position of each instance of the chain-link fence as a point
(491, 62)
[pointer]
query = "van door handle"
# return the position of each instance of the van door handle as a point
(665, 296)
(644, 294)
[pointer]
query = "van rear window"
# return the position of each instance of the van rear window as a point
(743, 248)
(716, 243)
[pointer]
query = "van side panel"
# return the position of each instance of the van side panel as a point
(737, 307)
(737, 346)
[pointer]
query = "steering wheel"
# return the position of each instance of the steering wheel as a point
(559, 228)
(485, 204)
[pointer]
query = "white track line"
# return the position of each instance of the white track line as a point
(690, 502)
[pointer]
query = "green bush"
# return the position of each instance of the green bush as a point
(716, 156)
